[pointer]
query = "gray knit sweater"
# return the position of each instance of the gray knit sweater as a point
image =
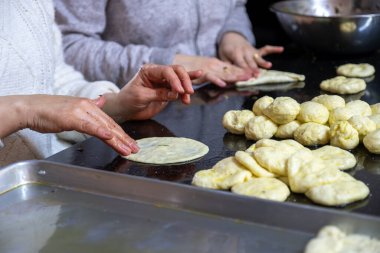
(111, 39)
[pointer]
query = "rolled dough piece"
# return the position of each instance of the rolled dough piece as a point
(272, 76)
(343, 85)
(356, 70)
(166, 150)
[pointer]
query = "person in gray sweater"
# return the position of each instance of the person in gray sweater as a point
(112, 39)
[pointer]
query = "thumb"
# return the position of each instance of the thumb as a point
(100, 101)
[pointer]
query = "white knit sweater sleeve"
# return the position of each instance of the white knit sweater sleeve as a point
(68, 81)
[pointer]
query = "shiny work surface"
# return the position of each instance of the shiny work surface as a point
(202, 121)
(48, 207)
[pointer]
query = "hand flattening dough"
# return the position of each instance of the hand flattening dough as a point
(313, 112)
(265, 188)
(235, 121)
(260, 127)
(260, 105)
(311, 133)
(356, 70)
(330, 101)
(166, 150)
(344, 135)
(283, 110)
(343, 85)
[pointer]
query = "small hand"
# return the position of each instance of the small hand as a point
(214, 70)
(52, 114)
(150, 90)
(234, 48)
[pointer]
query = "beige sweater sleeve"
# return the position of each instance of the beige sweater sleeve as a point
(68, 81)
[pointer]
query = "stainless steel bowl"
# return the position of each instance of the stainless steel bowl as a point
(332, 26)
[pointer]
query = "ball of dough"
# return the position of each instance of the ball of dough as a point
(338, 193)
(376, 119)
(359, 107)
(334, 157)
(260, 127)
(340, 114)
(313, 112)
(375, 108)
(344, 135)
(330, 101)
(356, 70)
(265, 188)
(362, 124)
(372, 142)
(311, 133)
(261, 104)
(343, 85)
(287, 130)
(234, 121)
(283, 110)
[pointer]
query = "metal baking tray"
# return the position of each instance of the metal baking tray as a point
(52, 207)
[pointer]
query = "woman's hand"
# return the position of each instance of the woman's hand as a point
(52, 114)
(149, 92)
(214, 70)
(235, 49)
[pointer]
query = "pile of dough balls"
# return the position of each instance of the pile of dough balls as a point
(270, 169)
(326, 119)
(349, 79)
(332, 239)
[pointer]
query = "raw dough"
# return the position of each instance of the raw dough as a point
(376, 119)
(343, 85)
(250, 164)
(235, 121)
(261, 104)
(338, 193)
(375, 108)
(311, 133)
(166, 150)
(265, 188)
(335, 157)
(313, 112)
(363, 125)
(306, 171)
(331, 239)
(359, 107)
(287, 130)
(330, 101)
(340, 114)
(356, 70)
(274, 158)
(223, 175)
(344, 135)
(372, 142)
(272, 76)
(283, 110)
(260, 127)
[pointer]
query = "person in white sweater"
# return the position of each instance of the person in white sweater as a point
(31, 62)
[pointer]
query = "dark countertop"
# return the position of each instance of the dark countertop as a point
(202, 121)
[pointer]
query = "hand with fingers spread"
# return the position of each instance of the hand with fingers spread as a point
(149, 91)
(52, 114)
(235, 49)
(214, 70)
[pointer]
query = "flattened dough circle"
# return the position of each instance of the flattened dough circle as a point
(167, 150)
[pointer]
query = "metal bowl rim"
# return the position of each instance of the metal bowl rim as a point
(277, 11)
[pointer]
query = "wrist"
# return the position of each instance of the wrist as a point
(14, 111)
(113, 107)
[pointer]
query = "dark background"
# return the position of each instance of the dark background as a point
(266, 27)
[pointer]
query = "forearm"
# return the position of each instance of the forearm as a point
(13, 114)
(238, 22)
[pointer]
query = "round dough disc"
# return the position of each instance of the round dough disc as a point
(167, 150)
